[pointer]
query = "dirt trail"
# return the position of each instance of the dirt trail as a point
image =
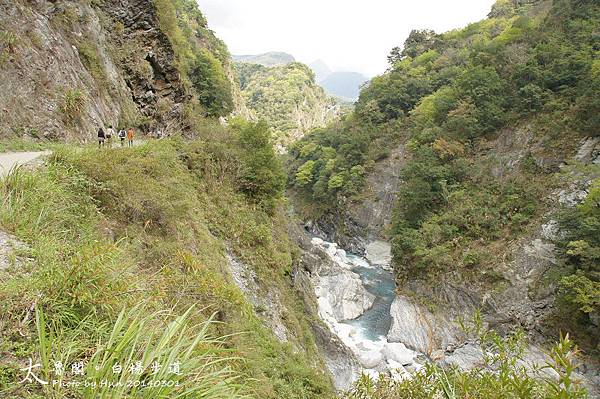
(11, 159)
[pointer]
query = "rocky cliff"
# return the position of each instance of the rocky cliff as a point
(69, 67)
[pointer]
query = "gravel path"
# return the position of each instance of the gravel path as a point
(12, 159)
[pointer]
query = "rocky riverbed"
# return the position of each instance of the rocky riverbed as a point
(354, 296)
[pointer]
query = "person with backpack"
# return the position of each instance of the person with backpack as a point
(122, 136)
(101, 137)
(110, 132)
(130, 137)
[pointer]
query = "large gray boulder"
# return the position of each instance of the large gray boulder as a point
(343, 296)
(418, 328)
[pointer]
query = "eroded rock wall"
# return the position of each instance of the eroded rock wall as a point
(68, 67)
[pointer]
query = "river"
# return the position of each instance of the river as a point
(375, 323)
(355, 295)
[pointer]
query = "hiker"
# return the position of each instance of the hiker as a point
(122, 136)
(110, 132)
(130, 137)
(101, 137)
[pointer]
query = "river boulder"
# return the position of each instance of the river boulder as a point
(343, 296)
(370, 359)
(399, 353)
(418, 328)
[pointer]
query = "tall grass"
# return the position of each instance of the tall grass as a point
(73, 105)
(146, 347)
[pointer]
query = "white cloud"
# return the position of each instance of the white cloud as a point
(346, 34)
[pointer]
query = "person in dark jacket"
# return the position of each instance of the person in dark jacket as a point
(122, 135)
(101, 137)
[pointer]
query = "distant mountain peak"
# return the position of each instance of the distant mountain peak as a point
(344, 84)
(320, 69)
(269, 59)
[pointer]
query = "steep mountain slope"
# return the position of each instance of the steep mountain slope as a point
(272, 58)
(493, 129)
(178, 262)
(288, 98)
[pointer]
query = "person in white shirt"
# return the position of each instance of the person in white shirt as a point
(110, 132)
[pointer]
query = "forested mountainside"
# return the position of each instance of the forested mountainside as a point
(492, 136)
(287, 98)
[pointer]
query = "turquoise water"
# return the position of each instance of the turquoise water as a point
(375, 322)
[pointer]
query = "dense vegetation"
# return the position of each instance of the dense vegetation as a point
(579, 244)
(532, 65)
(329, 165)
(287, 98)
(127, 249)
(528, 64)
(272, 58)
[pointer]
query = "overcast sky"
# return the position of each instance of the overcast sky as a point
(352, 35)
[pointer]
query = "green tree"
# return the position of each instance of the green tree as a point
(211, 84)
(262, 177)
(487, 91)
(305, 173)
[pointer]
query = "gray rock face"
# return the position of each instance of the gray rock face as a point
(342, 295)
(374, 214)
(399, 353)
(339, 291)
(341, 362)
(112, 52)
(418, 328)
(465, 357)
(550, 230)
(379, 253)
(369, 219)
(571, 196)
(267, 304)
(589, 150)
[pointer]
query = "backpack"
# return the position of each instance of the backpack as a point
(122, 134)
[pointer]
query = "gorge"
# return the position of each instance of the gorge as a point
(438, 239)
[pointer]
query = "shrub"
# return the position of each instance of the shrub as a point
(8, 43)
(73, 105)
(501, 376)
